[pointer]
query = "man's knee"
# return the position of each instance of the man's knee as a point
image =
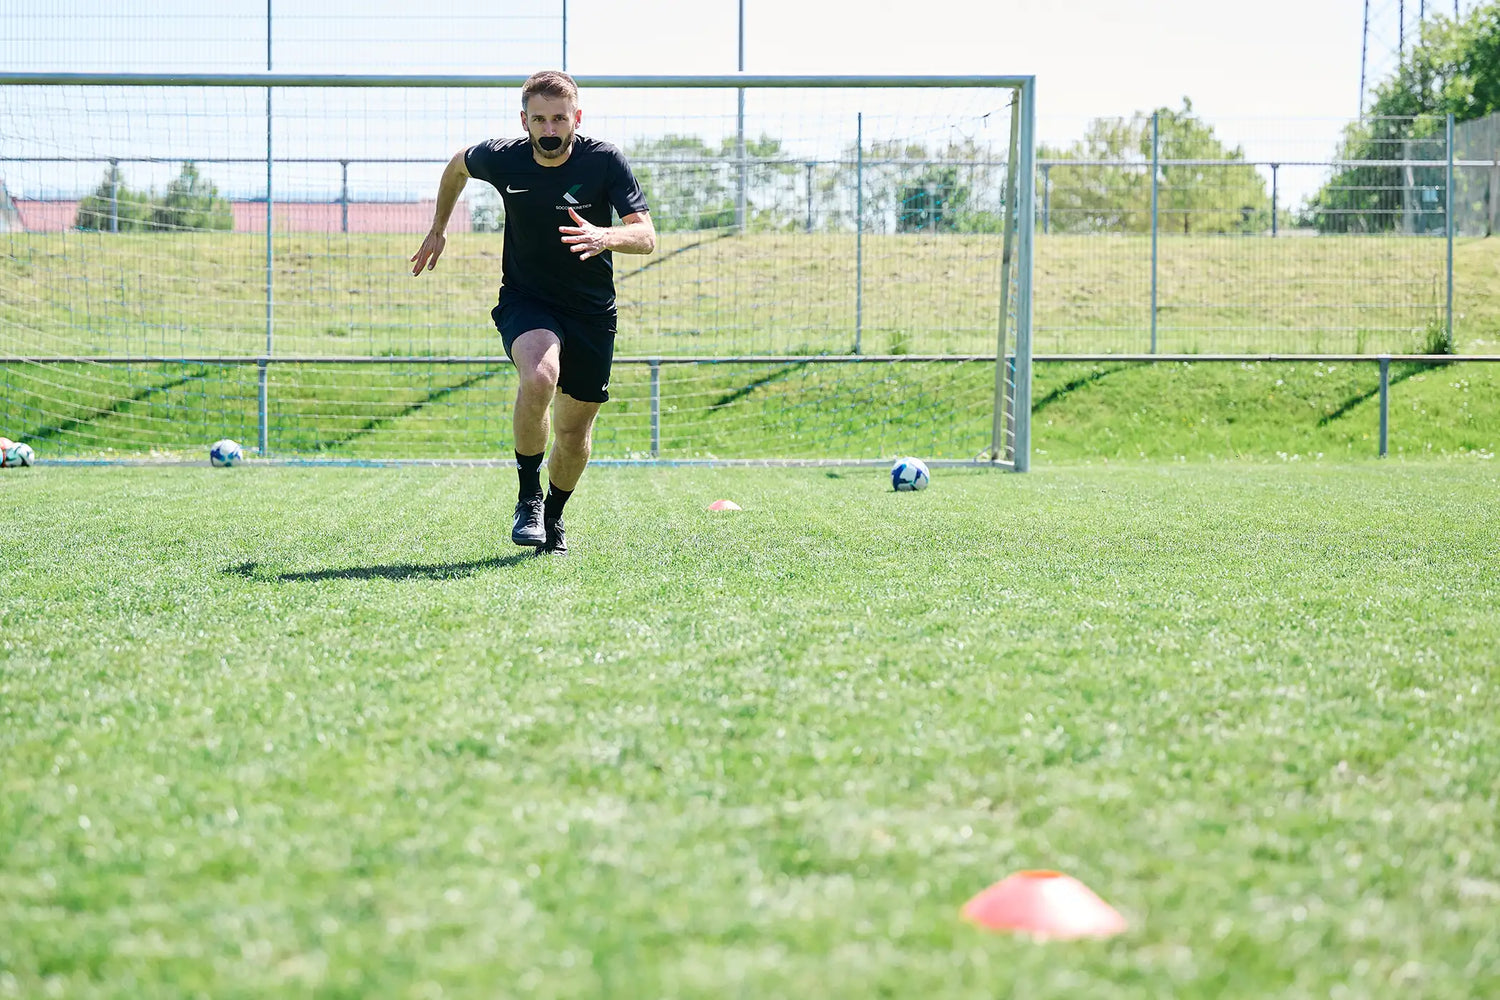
(537, 358)
(540, 379)
(574, 436)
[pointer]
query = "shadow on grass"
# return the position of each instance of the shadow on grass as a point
(740, 393)
(433, 396)
(656, 260)
(1397, 377)
(394, 571)
(1070, 386)
(114, 409)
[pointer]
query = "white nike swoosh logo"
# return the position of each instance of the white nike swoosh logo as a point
(511, 190)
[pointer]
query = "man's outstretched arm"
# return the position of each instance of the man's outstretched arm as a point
(635, 234)
(455, 176)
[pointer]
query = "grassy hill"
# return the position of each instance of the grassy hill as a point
(91, 294)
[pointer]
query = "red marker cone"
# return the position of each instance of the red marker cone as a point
(1046, 905)
(723, 505)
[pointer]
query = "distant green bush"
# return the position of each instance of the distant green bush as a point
(191, 202)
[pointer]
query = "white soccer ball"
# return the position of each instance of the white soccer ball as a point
(909, 474)
(226, 453)
(19, 453)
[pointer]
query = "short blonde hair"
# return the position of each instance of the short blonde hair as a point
(549, 83)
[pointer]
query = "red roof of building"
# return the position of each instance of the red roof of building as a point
(289, 216)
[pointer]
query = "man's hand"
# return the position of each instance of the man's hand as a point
(587, 239)
(427, 257)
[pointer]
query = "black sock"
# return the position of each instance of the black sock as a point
(552, 509)
(530, 469)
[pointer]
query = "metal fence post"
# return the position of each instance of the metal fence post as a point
(655, 407)
(114, 195)
(740, 201)
(263, 401)
(1448, 212)
(810, 166)
(1494, 192)
(270, 286)
(1385, 402)
(1275, 176)
(263, 394)
(1046, 198)
(859, 230)
(344, 195)
(1155, 194)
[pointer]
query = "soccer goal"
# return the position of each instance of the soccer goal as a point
(843, 271)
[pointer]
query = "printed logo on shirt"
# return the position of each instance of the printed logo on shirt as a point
(568, 195)
(511, 190)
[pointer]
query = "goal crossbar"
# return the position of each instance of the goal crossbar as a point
(507, 81)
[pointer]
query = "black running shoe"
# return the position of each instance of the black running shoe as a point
(557, 539)
(528, 529)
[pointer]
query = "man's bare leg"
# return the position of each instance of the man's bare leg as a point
(537, 355)
(573, 436)
(573, 427)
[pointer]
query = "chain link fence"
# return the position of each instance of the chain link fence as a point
(1153, 232)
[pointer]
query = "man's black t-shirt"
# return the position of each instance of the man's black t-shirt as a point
(535, 260)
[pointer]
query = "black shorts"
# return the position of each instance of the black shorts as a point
(588, 341)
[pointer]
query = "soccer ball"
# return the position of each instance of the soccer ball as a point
(226, 453)
(909, 474)
(18, 453)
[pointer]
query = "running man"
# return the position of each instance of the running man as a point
(556, 313)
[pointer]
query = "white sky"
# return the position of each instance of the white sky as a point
(1278, 78)
(1274, 59)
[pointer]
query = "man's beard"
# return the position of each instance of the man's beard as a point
(549, 146)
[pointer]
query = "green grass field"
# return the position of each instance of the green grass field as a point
(274, 732)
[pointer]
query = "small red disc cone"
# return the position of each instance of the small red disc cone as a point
(1044, 904)
(723, 505)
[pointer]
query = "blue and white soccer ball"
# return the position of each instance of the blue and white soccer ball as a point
(909, 474)
(226, 453)
(18, 453)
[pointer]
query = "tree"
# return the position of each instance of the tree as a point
(947, 195)
(692, 185)
(1111, 192)
(1215, 192)
(771, 184)
(192, 202)
(685, 181)
(912, 189)
(1453, 69)
(1203, 196)
(114, 207)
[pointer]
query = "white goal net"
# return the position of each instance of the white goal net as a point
(843, 270)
